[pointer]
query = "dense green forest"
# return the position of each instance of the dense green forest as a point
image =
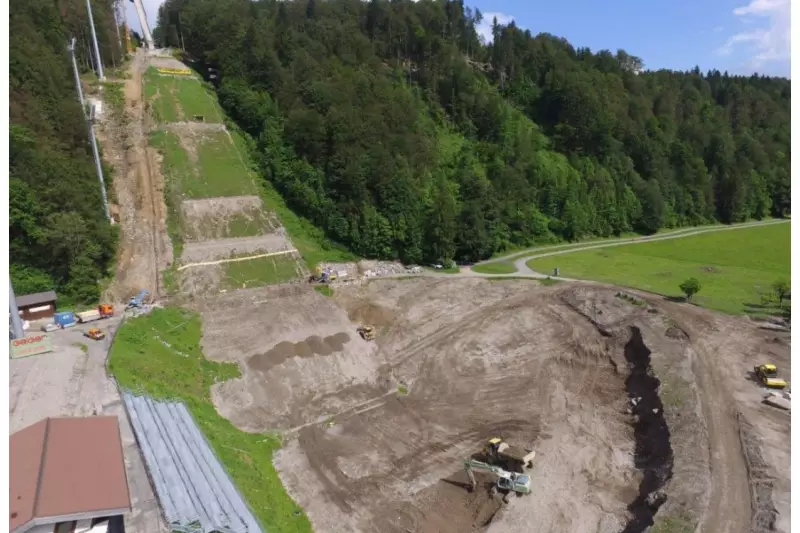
(391, 125)
(59, 237)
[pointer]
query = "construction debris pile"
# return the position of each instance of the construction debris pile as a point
(347, 272)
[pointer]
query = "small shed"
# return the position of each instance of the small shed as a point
(37, 306)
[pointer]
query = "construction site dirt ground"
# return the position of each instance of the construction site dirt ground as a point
(376, 432)
(139, 208)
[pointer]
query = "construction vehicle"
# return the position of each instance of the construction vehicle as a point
(768, 375)
(513, 458)
(367, 333)
(138, 300)
(88, 316)
(506, 483)
(95, 334)
(105, 310)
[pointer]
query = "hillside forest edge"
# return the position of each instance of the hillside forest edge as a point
(397, 131)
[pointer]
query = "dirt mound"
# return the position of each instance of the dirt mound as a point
(225, 217)
(371, 313)
(313, 345)
(676, 333)
(762, 482)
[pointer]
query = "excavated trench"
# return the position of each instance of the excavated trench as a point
(653, 454)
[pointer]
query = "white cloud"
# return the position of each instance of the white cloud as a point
(484, 29)
(768, 43)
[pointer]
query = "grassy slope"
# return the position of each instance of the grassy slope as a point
(179, 98)
(141, 362)
(222, 172)
(734, 267)
(259, 272)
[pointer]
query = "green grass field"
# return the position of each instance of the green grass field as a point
(221, 170)
(218, 171)
(179, 98)
(503, 267)
(324, 290)
(260, 271)
(734, 267)
(140, 361)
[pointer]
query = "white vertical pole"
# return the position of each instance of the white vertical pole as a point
(16, 321)
(94, 40)
(71, 48)
(98, 164)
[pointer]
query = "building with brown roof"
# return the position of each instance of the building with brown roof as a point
(66, 470)
(37, 306)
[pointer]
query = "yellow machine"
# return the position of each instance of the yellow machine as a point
(511, 458)
(367, 333)
(768, 375)
(95, 334)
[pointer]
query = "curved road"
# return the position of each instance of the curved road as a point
(521, 259)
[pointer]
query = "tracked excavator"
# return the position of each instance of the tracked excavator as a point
(507, 482)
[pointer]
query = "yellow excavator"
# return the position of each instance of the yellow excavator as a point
(512, 458)
(367, 333)
(768, 376)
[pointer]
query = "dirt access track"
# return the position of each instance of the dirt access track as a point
(376, 432)
(145, 249)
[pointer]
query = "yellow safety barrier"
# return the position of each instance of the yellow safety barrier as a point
(174, 70)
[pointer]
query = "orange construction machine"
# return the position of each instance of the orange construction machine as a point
(106, 310)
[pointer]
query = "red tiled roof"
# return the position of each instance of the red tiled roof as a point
(66, 466)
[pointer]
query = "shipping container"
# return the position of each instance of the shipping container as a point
(64, 319)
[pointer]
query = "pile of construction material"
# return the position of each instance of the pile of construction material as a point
(386, 268)
(781, 400)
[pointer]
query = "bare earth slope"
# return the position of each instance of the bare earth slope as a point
(144, 247)
(548, 368)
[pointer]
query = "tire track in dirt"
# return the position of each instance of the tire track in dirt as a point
(144, 247)
(729, 505)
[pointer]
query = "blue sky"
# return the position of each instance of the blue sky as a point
(740, 36)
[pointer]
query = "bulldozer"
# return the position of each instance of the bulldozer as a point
(504, 455)
(367, 333)
(767, 375)
(507, 482)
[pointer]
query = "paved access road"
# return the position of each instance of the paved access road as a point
(72, 381)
